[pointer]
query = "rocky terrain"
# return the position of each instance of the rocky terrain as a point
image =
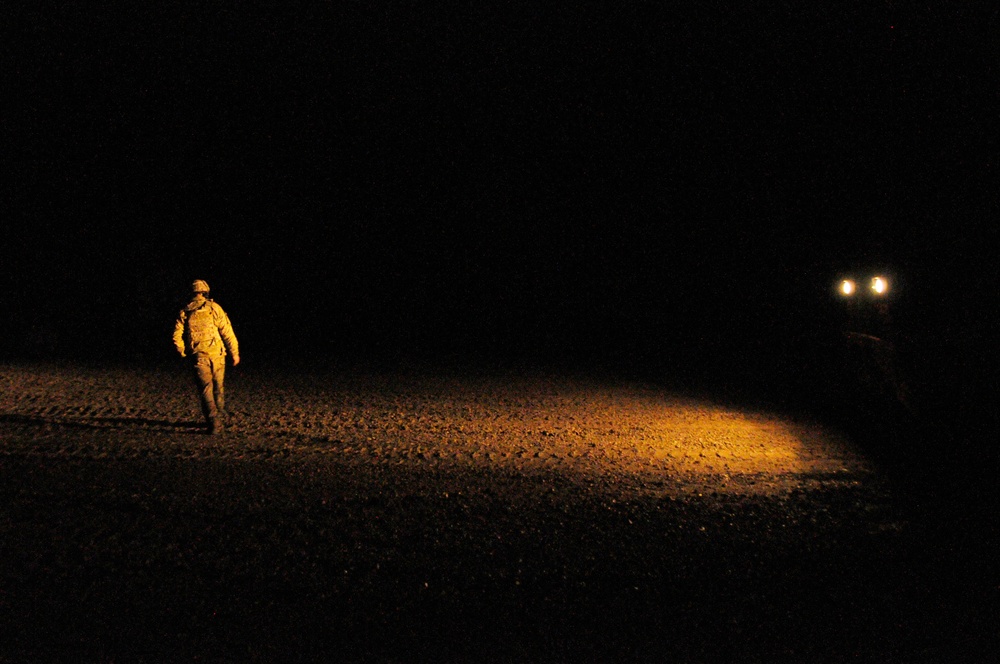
(361, 516)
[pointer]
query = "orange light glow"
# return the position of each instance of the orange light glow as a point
(641, 439)
(880, 286)
(847, 287)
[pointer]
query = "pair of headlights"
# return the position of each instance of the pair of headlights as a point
(877, 286)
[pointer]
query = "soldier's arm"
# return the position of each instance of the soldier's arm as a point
(228, 336)
(179, 335)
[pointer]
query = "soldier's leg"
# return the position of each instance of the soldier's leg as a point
(203, 374)
(219, 378)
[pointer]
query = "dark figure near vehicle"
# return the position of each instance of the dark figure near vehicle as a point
(204, 334)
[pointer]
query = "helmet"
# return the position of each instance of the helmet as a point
(199, 286)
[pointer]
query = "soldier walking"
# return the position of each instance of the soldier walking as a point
(204, 333)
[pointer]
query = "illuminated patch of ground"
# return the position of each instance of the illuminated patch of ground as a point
(643, 438)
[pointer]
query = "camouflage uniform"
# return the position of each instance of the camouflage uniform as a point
(203, 332)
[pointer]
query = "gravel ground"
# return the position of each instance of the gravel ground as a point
(396, 518)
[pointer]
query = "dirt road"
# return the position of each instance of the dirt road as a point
(457, 518)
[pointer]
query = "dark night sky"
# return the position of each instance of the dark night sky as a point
(497, 178)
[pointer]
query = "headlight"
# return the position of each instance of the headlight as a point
(847, 288)
(880, 286)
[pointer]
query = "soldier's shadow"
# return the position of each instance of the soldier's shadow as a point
(137, 423)
(144, 423)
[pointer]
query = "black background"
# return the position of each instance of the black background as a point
(629, 184)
